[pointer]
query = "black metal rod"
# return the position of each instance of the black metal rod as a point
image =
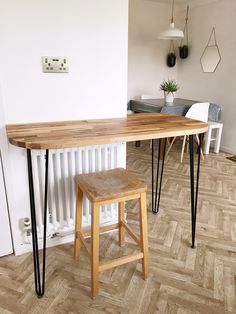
(45, 219)
(196, 192)
(158, 185)
(155, 210)
(162, 170)
(33, 223)
(152, 174)
(191, 160)
(39, 287)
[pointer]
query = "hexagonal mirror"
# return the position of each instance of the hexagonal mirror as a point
(210, 58)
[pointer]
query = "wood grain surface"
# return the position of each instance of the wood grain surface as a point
(65, 134)
(103, 186)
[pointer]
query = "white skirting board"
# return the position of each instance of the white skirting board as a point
(228, 150)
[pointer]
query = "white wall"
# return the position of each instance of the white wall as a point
(5, 231)
(5, 179)
(218, 87)
(93, 35)
(147, 54)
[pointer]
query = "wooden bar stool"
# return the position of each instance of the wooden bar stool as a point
(106, 187)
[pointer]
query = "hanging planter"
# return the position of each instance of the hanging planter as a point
(171, 57)
(183, 48)
(183, 51)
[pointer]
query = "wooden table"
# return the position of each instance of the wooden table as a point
(55, 135)
(52, 135)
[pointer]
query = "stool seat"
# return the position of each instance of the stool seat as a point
(103, 186)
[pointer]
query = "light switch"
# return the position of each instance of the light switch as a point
(55, 65)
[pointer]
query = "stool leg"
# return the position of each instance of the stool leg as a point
(94, 249)
(121, 218)
(78, 222)
(143, 234)
(218, 139)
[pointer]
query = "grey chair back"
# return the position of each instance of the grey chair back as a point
(215, 113)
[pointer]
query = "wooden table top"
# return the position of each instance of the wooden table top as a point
(65, 134)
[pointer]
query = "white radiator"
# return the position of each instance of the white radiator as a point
(63, 166)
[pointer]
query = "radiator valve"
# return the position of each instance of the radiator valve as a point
(27, 226)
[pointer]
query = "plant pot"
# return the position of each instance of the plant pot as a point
(169, 97)
(171, 59)
(183, 52)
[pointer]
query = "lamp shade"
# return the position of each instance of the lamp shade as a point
(171, 33)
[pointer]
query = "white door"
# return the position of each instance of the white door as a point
(5, 232)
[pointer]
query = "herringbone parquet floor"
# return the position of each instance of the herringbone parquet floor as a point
(182, 280)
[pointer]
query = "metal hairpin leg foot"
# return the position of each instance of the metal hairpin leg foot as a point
(39, 285)
(156, 186)
(194, 193)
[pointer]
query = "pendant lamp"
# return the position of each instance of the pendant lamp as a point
(172, 32)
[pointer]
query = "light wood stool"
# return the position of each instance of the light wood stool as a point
(106, 187)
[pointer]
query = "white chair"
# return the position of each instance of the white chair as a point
(208, 136)
(198, 111)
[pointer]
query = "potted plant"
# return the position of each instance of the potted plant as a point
(169, 87)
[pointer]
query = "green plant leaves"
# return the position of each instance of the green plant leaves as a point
(169, 86)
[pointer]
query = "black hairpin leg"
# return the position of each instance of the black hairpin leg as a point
(39, 285)
(194, 193)
(156, 186)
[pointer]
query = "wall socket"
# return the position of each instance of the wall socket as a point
(55, 65)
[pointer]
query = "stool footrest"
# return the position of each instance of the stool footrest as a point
(130, 232)
(83, 235)
(120, 261)
(101, 230)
